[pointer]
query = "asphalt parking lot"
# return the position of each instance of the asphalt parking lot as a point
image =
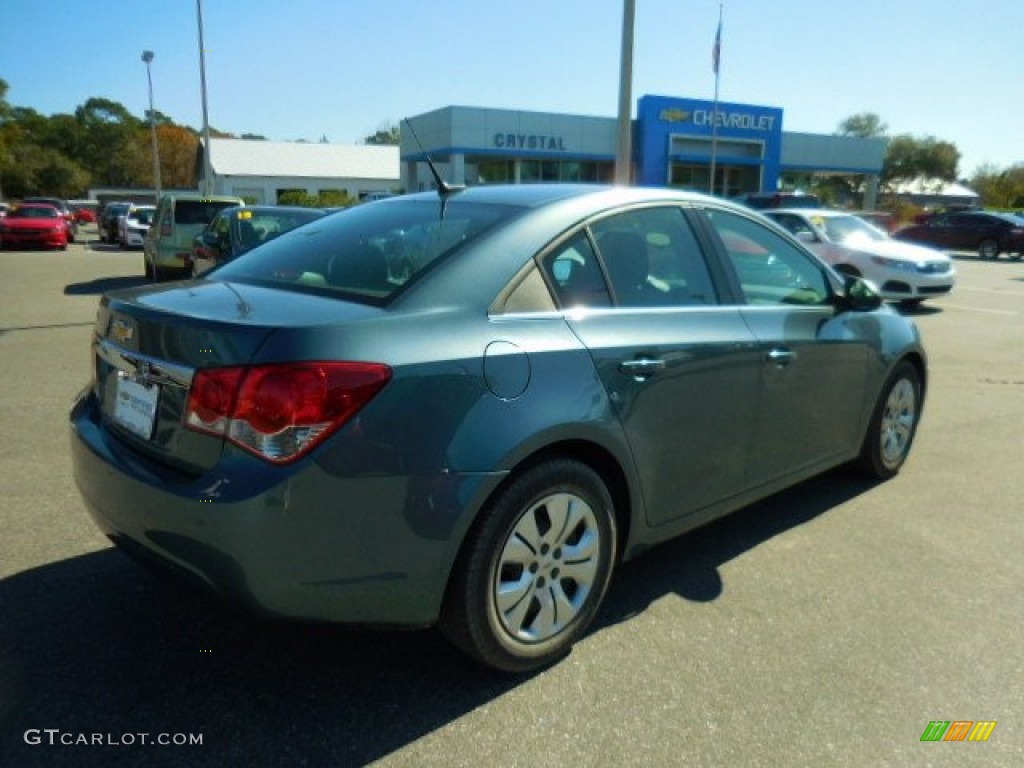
(827, 626)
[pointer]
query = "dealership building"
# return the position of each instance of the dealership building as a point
(676, 142)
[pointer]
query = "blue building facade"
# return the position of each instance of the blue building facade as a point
(677, 141)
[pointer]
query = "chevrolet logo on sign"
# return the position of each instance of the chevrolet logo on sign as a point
(674, 115)
(121, 332)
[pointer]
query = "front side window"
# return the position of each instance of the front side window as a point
(770, 269)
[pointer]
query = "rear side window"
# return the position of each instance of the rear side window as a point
(367, 253)
(575, 274)
(198, 211)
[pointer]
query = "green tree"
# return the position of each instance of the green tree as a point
(388, 134)
(334, 198)
(910, 158)
(108, 148)
(866, 125)
(1000, 188)
(297, 197)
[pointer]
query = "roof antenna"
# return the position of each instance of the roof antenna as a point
(443, 188)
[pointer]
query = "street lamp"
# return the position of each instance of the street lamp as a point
(623, 151)
(207, 162)
(147, 56)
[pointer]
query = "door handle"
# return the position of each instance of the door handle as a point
(781, 356)
(642, 368)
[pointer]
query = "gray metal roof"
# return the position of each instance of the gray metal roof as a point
(250, 157)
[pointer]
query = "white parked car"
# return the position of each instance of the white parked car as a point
(135, 225)
(902, 271)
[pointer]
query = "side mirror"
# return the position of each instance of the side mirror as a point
(805, 236)
(210, 241)
(860, 295)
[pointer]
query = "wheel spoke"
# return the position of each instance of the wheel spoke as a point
(513, 600)
(545, 623)
(581, 574)
(547, 568)
(528, 531)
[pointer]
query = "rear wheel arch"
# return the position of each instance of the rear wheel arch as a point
(470, 615)
(594, 456)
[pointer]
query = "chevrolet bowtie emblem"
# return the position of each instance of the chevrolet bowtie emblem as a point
(121, 332)
(674, 115)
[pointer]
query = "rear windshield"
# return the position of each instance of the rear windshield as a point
(367, 253)
(199, 211)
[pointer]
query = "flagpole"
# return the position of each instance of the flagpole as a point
(716, 54)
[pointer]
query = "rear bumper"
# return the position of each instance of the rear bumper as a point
(302, 545)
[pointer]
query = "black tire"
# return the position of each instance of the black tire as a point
(988, 249)
(893, 424)
(533, 569)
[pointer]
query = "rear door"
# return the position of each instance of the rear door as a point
(680, 369)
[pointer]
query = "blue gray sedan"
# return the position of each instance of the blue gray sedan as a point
(466, 408)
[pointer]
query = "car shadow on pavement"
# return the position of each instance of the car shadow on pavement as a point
(101, 247)
(99, 645)
(918, 310)
(689, 566)
(104, 284)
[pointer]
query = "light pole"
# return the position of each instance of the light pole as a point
(207, 188)
(623, 152)
(147, 56)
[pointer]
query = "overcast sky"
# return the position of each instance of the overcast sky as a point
(302, 69)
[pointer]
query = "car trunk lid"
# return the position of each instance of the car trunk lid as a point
(149, 342)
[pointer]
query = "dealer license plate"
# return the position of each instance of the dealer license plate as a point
(135, 406)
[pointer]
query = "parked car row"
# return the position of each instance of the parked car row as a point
(179, 218)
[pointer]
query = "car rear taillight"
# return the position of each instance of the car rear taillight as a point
(280, 412)
(165, 227)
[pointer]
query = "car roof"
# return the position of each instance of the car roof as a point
(257, 209)
(535, 195)
(808, 212)
(199, 197)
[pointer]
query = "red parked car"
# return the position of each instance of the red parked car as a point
(33, 224)
(987, 233)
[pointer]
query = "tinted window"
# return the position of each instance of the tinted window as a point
(771, 270)
(34, 212)
(255, 227)
(198, 211)
(369, 252)
(652, 259)
(575, 274)
(792, 223)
